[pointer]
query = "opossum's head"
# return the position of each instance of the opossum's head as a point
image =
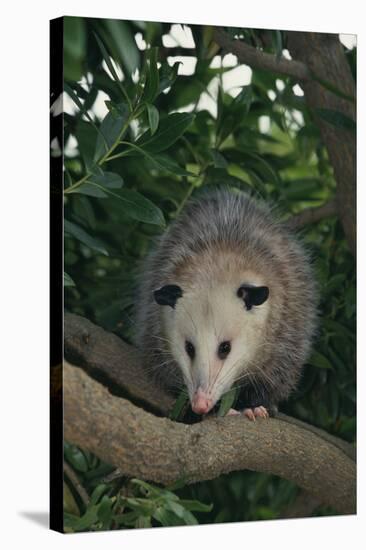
(214, 335)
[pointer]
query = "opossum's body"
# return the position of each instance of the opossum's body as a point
(227, 298)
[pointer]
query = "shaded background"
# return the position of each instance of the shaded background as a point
(247, 129)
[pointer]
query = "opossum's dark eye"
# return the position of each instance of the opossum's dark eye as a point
(224, 350)
(190, 349)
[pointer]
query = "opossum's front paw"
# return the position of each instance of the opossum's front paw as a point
(256, 411)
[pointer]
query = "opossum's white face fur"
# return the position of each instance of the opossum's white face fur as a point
(214, 335)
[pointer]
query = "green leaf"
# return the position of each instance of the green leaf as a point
(107, 179)
(98, 493)
(70, 92)
(219, 160)
(70, 505)
(244, 99)
(86, 136)
(105, 512)
(227, 402)
(320, 361)
(153, 115)
(84, 111)
(179, 406)
(189, 518)
(81, 524)
(89, 189)
(74, 46)
(115, 108)
(140, 208)
(168, 75)
(107, 58)
(196, 506)
(167, 518)
(277, 40)
(337, 119)
(124, 43)
(151, 88)
(112, 128)
(162, 162)
(67, 280)
(175, 507)
(263, 168)
(76, 458)
(80, 234)
(303, 189)
(170, 129)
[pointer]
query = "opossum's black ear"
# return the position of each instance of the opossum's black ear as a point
(168, 295)
(253, 295)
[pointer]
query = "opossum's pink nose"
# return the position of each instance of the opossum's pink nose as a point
(201, 403)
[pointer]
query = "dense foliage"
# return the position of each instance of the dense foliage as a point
(166, 136)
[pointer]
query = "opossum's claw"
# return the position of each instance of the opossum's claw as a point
(256, 411)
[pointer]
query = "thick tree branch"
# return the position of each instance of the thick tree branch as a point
(118, 366)
(258, 59)
(143, 445)
(112, 361)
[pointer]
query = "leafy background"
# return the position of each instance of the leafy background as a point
(141, 136)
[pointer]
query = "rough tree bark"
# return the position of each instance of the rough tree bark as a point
(143, 445)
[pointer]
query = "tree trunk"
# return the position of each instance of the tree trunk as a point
(324, 56)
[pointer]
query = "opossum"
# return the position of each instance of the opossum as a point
(228, 298)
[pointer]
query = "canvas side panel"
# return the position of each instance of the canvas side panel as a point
(56, 278)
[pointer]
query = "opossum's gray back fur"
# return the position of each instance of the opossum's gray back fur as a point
(224, 219)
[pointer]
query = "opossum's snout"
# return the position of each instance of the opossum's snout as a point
(202, 403)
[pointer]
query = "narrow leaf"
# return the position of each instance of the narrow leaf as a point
(80, 234)
(67, 280)
(151, 88)
(88, 188)
(196, 506)
(153, 115)
(170, 129)
(139, 207)
(108, 179)
(227, 402)
(107, 58)
(320, 361)
(168, 75)
(179, 406)
(163, 162)
(113, 127)
(124, 43)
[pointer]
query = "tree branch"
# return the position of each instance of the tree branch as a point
(76, 484)
(260, 60)
(113, 362)
(143, 445)
(313, 215)
(158, 449)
